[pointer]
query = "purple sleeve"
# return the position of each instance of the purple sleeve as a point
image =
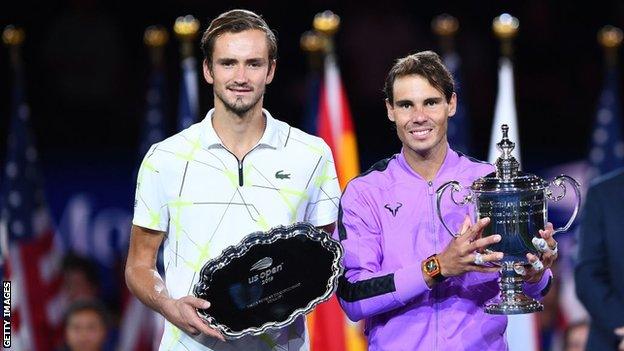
(366, 289)
(540, 289)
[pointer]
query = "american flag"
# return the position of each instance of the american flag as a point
(33, 257)
(155, 123)
(188, 105)
(140, 327)
(607, 146)
(459, 125)
(313, 89)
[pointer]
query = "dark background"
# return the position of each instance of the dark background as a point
(87, 70)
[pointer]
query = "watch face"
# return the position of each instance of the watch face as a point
(431, 265)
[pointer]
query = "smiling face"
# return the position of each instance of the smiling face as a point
(420, 113)
(240, 70)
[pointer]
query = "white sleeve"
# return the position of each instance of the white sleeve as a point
(150, 205)
(325, 195)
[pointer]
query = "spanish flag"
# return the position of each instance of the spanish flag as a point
(334, 122)
(330, 330)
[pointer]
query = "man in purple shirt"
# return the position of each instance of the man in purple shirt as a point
(415, 286)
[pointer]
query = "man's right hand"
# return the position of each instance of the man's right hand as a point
(183, 314)
(459, 256)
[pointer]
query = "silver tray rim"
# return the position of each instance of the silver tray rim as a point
(268, 237)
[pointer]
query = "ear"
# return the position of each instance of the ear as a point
(390, 110)
(271, 72)
(207, 73)
(452, 105)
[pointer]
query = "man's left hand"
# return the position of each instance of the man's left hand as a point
(548, 256)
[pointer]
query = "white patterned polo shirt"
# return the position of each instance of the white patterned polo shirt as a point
(205, 199)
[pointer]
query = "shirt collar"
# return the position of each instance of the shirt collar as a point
(450, 160)
(269, 138)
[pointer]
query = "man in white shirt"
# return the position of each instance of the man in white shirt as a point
(236, 172)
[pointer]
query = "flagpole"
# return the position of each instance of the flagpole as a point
(139, 325)
(607, 144)
(610, 38)
(31, 233)
(522, 332)
(186, 29)
(445, 27)
(331, 330)
(155, 38)
(505, 27)
(13, 38)
(335, 123)
(328, 323)
(312, 43)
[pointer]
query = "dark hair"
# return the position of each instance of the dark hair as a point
(73, 262)
(426, 64)
(87, 305)
(236, 21)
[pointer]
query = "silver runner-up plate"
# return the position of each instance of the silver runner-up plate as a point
(269, 279)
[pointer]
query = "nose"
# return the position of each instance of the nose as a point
(240, 76)
(419, 116)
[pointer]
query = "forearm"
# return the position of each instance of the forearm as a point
(364, 295)
(148, 286)
(142, 278)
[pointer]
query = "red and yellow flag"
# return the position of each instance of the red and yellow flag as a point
(330, 330)
(334, 123)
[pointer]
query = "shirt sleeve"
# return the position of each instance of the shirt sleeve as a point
(366, 289)
(539, 289)
(150, 206)
(325, 194)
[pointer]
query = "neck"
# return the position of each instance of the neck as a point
(426, 165)
(239, 133)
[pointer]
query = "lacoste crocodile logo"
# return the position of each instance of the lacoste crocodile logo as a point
(393, 209)
(280, 175)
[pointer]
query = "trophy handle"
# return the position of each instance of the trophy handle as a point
(560, 182)
(455, 188)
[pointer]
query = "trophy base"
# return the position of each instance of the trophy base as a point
(513, 304)
(511, 299)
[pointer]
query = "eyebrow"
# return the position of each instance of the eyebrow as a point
(401, 102)
(433, 99)
(226, 60)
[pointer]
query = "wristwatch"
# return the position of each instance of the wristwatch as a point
(431, 267)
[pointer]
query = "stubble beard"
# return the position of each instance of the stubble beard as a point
(238, 107)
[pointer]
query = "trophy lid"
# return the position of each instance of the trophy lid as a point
(507, 176)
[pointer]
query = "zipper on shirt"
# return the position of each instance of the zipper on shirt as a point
(240, 173)
(240, 164)
(431, 192)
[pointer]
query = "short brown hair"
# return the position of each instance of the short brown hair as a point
(426, 64)
(236, 21)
